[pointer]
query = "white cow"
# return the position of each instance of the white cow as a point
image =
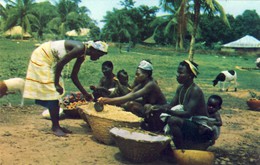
(226, 77)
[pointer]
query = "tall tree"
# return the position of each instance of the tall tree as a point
(44, 11)
(183, 8)
(176, 21)
(19, 12)
(210, 7)
(248, 24)
(70, 16)
(119, 26)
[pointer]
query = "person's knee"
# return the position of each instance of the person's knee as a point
(175, 121)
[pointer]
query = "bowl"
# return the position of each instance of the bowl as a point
(253, 104)
(193, 157)
(139, 146)
(101, 122)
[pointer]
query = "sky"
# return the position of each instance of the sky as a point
(98, 8)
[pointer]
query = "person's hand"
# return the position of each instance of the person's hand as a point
(147, 109)
(103, 100)
(115, 79)
(59, 89)
(155, 108)
(88, 97)
(209, 123)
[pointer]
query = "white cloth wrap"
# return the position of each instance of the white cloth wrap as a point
(145, 65)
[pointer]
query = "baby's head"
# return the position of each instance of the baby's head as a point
(122, 76)
(214, 103)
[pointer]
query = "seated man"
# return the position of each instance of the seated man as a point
(186, 104)
(145, 92)
(106, 83)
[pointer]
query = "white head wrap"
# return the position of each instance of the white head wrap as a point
(257, 60)
(99, 45)
(145, 65)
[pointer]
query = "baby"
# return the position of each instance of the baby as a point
(213, 106)
(122, 85)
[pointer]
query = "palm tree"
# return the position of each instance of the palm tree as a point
(182, 13)
(44, 12)
(3, 14)
(119, 26)
(176, 22)
(210, 7)
(70, 16)
(19, 12)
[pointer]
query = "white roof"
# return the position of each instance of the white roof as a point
(244, 42)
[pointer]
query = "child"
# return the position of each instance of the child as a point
(213, 106)
(122, 85)
(106, 83)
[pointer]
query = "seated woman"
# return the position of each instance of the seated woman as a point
(145, 92)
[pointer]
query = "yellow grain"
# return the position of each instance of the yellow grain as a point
(110, 112)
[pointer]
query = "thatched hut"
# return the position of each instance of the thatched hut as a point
(82, 32)
(16, 31)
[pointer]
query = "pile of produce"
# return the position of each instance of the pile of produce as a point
(71, 101)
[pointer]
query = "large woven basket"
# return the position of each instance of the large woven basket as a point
(102, 122)
(139, 146)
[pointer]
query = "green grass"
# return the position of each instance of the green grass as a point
(15, 55)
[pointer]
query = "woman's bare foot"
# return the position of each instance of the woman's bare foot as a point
(58, 132)
(65, 130)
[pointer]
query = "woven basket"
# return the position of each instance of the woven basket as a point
(139, 146)
(83, 115)
(101, 124)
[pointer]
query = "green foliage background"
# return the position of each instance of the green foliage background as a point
(15, 56)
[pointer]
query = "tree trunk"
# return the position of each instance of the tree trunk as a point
(195, 25)
(191, 50)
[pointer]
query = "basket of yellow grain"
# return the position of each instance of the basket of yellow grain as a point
(139, 146)
(102, 122)
(70, 102)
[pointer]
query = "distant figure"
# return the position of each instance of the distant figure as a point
(224, 77)
(257, 62)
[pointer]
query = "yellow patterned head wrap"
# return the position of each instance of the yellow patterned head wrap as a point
(98, 45)
(193, 68)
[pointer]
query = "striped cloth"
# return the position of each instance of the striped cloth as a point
(39, 83)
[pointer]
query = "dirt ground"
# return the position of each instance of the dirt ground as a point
(26, 139)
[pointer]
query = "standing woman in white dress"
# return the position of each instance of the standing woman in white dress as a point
(43, 80)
